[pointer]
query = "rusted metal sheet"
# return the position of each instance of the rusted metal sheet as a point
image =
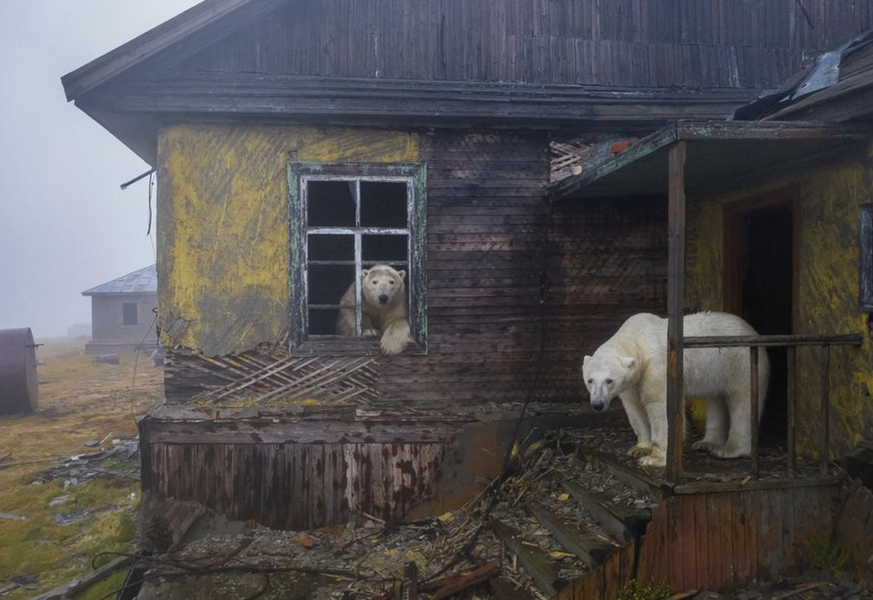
(294, 486)
(19, 385)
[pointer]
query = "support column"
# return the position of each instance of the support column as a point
(675, 310)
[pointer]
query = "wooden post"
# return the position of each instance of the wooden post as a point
(825, 409)
(675, 310)
(792, 382)
(753, 376)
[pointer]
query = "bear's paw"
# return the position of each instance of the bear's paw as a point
(638, 450)
(370, 332)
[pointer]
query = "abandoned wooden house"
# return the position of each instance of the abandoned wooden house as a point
(530, 165)
(123, 312)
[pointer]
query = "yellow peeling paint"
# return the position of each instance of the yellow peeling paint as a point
(223, 224)
(830, 195)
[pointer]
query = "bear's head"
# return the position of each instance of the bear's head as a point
(383, 286)
(606, 375)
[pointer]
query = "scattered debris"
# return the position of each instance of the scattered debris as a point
(92, 443)
(57, 500)
(80, 468)
(11, 517)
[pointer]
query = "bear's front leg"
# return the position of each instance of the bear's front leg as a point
(656, 410)
(396, 337)
(636, 415)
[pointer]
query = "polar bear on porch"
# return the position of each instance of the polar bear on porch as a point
(632, 365)
(385, 309)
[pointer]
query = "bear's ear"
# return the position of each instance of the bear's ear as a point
(628, 362)
(585, 360)
(364, 273)
(402, 275)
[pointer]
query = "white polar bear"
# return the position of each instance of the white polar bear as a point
(632, 365)
(385, 309)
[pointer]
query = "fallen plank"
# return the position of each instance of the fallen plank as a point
(77, 585)
(543, 571)
(587, 545)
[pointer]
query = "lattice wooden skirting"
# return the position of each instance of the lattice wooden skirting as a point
(274, 377)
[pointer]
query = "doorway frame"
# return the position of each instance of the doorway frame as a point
(732, 212)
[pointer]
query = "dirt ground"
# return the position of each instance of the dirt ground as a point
(55, 527)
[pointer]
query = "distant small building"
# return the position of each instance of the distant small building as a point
(123, 312)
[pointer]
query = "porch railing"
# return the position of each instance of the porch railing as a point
(791, 342)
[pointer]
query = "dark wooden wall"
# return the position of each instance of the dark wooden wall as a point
(639, 43)
(293, 486)
(717, 541)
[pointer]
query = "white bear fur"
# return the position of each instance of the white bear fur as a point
(385, 310)
(632, 365)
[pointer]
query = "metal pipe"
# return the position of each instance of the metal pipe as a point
(753, 376)
(791, 402)
(734, 341)
(825, 409)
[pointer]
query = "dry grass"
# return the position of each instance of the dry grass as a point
(79, 401)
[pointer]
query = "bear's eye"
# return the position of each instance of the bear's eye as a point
(609, 382)
(391, 282)
(375, 281)
(590, 381)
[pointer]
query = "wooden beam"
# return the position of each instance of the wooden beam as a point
(675, 310)
(638, 150)
(769, 130)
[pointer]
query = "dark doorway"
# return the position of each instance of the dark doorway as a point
(760, 265)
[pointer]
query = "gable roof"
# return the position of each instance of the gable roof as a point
(220, 16)
(142, 281)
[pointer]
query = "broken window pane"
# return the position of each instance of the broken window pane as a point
(384, 248)
(328, 283)
(331, 247)
(331, 203)
(383, 204)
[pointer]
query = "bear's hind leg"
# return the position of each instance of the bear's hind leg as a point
(739, 440)
(716, 425)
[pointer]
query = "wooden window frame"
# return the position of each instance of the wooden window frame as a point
(136, 306)
(414, 175)
(865, 258)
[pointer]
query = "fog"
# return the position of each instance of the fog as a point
(65, 226)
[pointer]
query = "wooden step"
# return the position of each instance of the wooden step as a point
(587, 545)
(629, 476)
(503, 589)
(622, 522)
(542, 570)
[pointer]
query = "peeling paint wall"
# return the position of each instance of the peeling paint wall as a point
(223, 225)
(830, 195)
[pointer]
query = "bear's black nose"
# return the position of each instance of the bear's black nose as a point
(383, 299)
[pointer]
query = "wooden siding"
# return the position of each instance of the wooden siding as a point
(640, 43)
(293, 486)
(488, 220)
(854, 530)
(717, 541)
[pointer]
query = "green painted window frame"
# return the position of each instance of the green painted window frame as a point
(300, 341)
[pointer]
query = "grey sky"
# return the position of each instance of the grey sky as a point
(64, 224)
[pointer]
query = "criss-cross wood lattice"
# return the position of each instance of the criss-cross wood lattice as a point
(273, 377)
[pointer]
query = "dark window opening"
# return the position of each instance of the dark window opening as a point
(129, 313)
(331, 203)
(383, 204)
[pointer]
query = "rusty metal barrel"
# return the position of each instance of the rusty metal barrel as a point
(19, 386)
